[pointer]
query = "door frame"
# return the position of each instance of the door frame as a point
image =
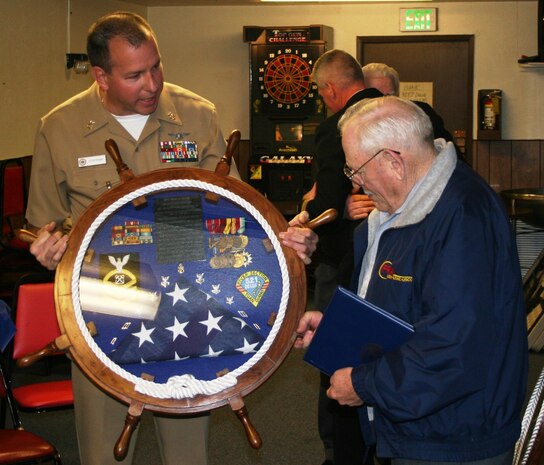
(468, 38)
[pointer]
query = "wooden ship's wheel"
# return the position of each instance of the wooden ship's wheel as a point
(175, 294)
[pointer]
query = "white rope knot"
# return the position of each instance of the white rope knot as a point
(180, 382)
(187, 386)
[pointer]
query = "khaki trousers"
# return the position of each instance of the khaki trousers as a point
(100, 419)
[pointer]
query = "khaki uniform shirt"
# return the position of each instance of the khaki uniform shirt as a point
(60, 187)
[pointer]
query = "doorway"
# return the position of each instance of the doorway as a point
(445, 60)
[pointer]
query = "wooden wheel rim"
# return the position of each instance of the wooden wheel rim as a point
(125, 386)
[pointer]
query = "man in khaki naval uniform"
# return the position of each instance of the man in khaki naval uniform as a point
(70, 160)
(127, 103)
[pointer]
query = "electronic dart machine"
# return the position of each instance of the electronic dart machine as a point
(285, 109)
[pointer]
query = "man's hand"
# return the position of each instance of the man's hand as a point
(358, 206)
(49, 246)
(306, 328)
(300, 239)
(342, 390)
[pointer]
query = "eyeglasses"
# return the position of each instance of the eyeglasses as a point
(350, 172)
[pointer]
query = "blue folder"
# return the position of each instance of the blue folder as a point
(354, 331)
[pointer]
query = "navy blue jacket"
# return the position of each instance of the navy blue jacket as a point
(455, 390)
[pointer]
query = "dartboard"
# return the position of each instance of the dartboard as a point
(287, 78)
(283, 79)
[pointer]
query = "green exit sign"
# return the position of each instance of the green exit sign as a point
(417, 19)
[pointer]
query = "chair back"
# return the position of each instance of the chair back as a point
(36, 329)
(14, 190)
(15, 257)
(35, 318)
(14, 200)
(18, 446)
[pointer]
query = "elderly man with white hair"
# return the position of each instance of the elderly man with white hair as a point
(438, 252)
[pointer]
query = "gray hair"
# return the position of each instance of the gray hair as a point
(338, 66)
(389, 122)
(383, 70)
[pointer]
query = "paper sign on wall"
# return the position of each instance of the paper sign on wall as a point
(422, 91)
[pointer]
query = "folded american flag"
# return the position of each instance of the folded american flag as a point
(189, 323)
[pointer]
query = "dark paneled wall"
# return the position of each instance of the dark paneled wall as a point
(510, 164)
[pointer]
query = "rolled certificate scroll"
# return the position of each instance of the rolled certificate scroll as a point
(111, 299)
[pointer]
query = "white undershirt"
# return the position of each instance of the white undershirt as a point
(134, 124)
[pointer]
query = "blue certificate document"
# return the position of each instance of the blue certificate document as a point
(354, 331)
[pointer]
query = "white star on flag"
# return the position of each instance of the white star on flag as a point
(178, 329)
(211, 353)
(144, 335)
(211, 323)
(247, 348)
(178, 294)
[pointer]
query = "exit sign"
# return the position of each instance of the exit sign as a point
(418, 19)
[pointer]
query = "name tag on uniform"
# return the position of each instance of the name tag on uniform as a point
(178, 151)
(91, 160)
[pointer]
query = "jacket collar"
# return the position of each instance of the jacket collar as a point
(422, 200)
(369, 92)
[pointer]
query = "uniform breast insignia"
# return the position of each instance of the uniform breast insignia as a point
(179, 151)
(178, 135)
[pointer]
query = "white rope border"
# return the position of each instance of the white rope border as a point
(182, 386)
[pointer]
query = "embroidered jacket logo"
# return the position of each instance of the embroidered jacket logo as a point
(387, 271)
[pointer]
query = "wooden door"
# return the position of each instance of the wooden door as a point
(446, 61)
